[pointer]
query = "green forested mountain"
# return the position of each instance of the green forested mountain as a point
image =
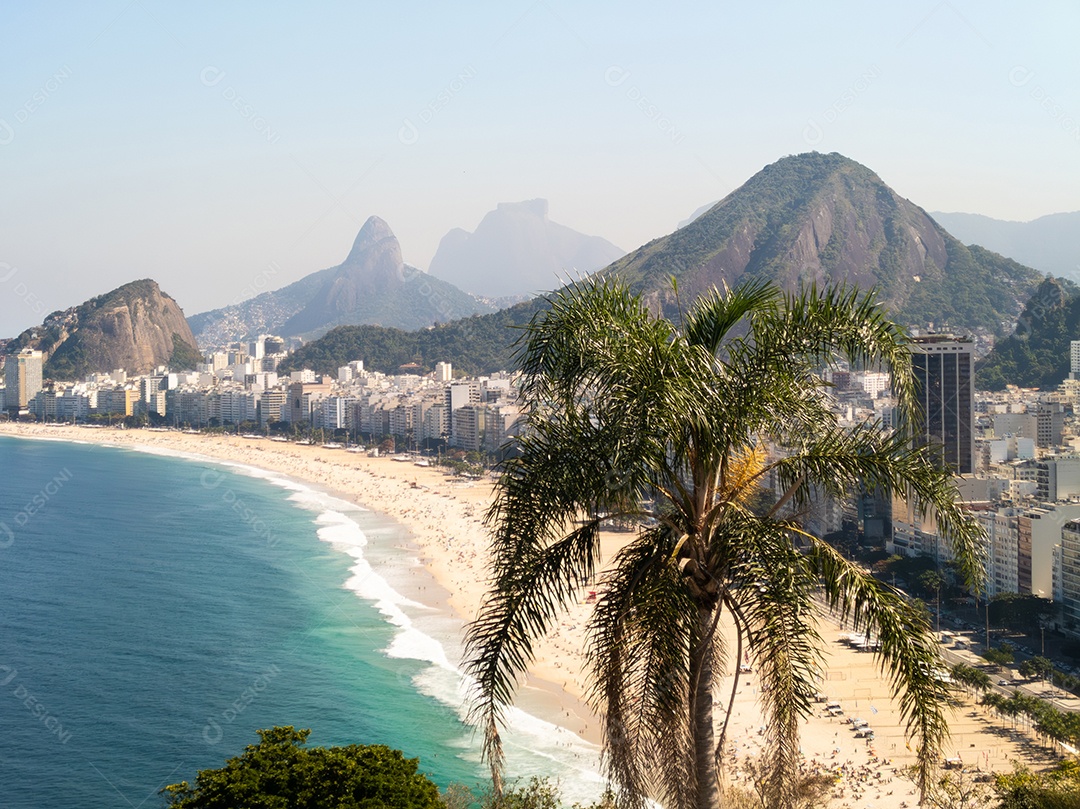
(475, 345)
(807, 218)
(823, 217)
(1036, 354)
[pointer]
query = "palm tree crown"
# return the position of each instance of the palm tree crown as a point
(681, 428)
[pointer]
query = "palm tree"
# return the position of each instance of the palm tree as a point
(682, 427)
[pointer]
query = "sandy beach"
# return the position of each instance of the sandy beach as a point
(443, 516)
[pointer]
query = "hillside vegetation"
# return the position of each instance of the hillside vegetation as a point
(1036, 354)
(475, 345)
(812, 218)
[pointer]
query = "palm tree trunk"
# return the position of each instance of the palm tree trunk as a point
(701, 713)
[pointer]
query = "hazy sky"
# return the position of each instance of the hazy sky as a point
(224, 148)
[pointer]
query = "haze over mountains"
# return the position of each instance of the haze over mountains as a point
(372, 285)
(806, 218)
(1050, 243)
(517, 251)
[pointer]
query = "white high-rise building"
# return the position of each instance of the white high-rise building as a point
(444, 372)
(22, 375)
(1074, 359)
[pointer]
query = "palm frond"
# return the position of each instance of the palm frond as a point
(639, 636)
(815, 324)
(909, 653)
(715, 314)
(526, 597)
(838, 461)
(774, 592)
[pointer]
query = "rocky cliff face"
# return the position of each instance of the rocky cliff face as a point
(372, 271)
(136, 327)
(374, 286)
(818, 218)
(516, 250)
(371, 286)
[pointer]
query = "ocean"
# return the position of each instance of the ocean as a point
(156, 610)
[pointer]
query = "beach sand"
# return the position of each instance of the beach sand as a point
(444, 515)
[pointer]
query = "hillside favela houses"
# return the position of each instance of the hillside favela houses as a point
(1015, 453)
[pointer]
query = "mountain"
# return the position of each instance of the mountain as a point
(703, 209)
(811, 217)
(372, 285)
(1036, 354)
(136, 327)
(1050, 243)
(517, 250)
(475, 345)
(823, 217)
(263, 314)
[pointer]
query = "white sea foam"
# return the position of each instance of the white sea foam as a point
(531, 744)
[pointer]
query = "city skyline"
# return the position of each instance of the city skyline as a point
(225, 151)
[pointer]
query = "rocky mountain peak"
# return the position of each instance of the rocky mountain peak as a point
(820, 218)
(517, 250)
(374, 234)
(136, 327)
(530, 207)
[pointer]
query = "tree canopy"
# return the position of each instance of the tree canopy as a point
(1036, 354)
(677, 427)
(1021, 611)
(280, 773)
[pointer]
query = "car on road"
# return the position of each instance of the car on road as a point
(1004, 682)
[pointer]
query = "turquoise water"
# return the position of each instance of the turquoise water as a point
(156, 611)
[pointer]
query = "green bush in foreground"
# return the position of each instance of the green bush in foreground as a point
(279, 773)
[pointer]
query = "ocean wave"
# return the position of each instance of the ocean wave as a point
(345, 535)
(531, 744)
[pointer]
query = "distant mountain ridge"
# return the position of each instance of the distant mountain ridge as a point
(136, 327)
(806, 218)
(371, 286)
(516, 250)
(1050, 243)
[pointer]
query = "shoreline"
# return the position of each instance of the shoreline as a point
(440, 523)
(439, 519)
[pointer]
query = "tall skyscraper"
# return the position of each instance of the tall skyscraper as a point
(22, 378)
(945, 383)
(1074, 359)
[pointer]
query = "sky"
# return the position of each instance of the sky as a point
(224, 149)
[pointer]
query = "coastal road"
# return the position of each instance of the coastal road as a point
(1062, 700)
